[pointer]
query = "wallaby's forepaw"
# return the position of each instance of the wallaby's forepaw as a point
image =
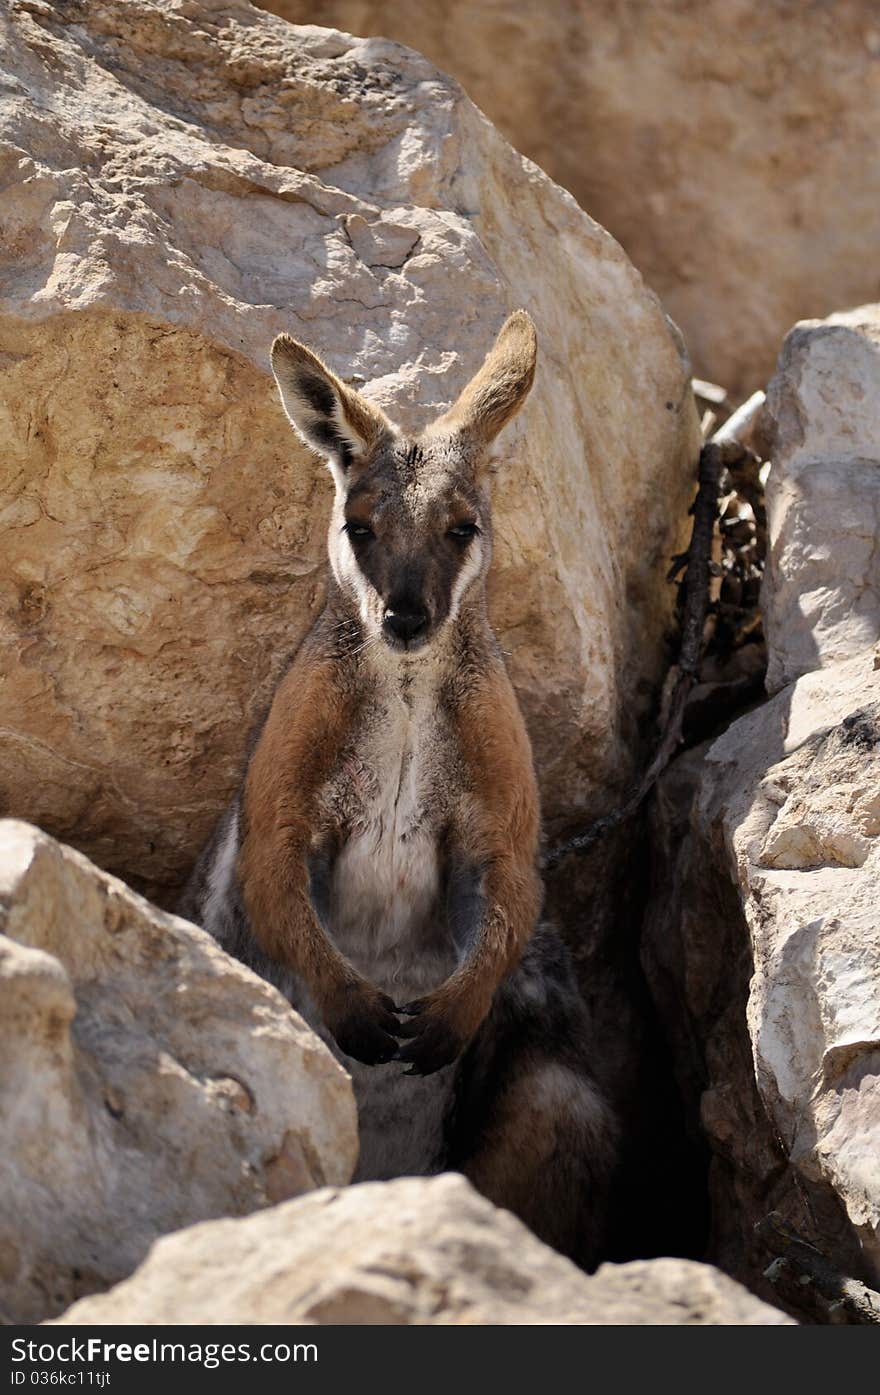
(433, 1038)
(364, 1025)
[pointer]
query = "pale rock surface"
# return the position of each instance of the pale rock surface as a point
(148, 1081)
(762, 944)
(763, 953)
(794, 789)
(412, 1251)
(821, 592)
(730, 145)
(181, 181)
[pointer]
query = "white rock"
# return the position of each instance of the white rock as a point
(778, 875)
(148, 1081)
(821, 592)
(729, 149)
(792, 793)
(413, 1251)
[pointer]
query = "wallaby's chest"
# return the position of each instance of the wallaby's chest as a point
(391, 796)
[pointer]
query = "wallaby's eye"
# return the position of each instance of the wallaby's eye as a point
(359, 531)
(463, 532)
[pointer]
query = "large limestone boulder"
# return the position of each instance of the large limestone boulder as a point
(730, 147)
(763, 952)
(414, 1251)
(180, 183)
(821, 595)
(762, 948)
(148, 1081)
(792, 793)
(763, 943)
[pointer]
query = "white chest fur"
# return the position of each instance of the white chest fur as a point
(387, 914)
(385, 897)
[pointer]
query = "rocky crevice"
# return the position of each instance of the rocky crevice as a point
(760, 941)
(162, 550)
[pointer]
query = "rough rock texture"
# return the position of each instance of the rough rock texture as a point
(728, 144)
(180, 182)
(762, 944)
(148, 1081)
(795, 790)
(821, 594)
(413, 1251)
(763, 949)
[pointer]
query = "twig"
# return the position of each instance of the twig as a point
(710, 392)
(714, 457)
(854, 1297)
(741, 424)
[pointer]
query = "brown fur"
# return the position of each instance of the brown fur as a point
(314, 709)
(496, 392)
(499, 825)
(386, 836)
(299, 746)
(367, 421)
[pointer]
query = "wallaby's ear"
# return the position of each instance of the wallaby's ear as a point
(329, 416)
(499, 388)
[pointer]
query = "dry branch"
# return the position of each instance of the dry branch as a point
(709, 392)
(723, 451)
(850, 1295)
(741, 424)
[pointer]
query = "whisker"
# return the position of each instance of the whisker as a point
(371, 640)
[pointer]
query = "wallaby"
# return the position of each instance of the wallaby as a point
(380, 862)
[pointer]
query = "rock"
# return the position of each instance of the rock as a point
(763, 951)
(180, 183)
(730, 150)
(412, 1251)
(148, 1081)
(821, 593)
(761, 945)
(795, 789)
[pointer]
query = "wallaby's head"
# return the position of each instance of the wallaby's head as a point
(410, 534)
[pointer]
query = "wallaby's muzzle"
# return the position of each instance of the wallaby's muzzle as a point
(405, 624)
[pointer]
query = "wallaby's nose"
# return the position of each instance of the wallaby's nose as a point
(406, 622)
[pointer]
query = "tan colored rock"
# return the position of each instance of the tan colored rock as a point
(180, 182)
(821, 592)
(728, 144)
(413, 1251)
(148, 1081)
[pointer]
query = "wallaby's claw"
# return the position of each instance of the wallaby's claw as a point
(431, 1044)
(367, 1029)
(366, 1042)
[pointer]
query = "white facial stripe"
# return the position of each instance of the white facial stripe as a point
(368, 598)
(346, 570)
(469, 572)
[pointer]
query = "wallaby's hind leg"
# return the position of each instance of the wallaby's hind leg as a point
(531, 1129)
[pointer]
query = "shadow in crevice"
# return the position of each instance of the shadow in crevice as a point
(660, 1201)
(660, 1204)
(697, 949)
